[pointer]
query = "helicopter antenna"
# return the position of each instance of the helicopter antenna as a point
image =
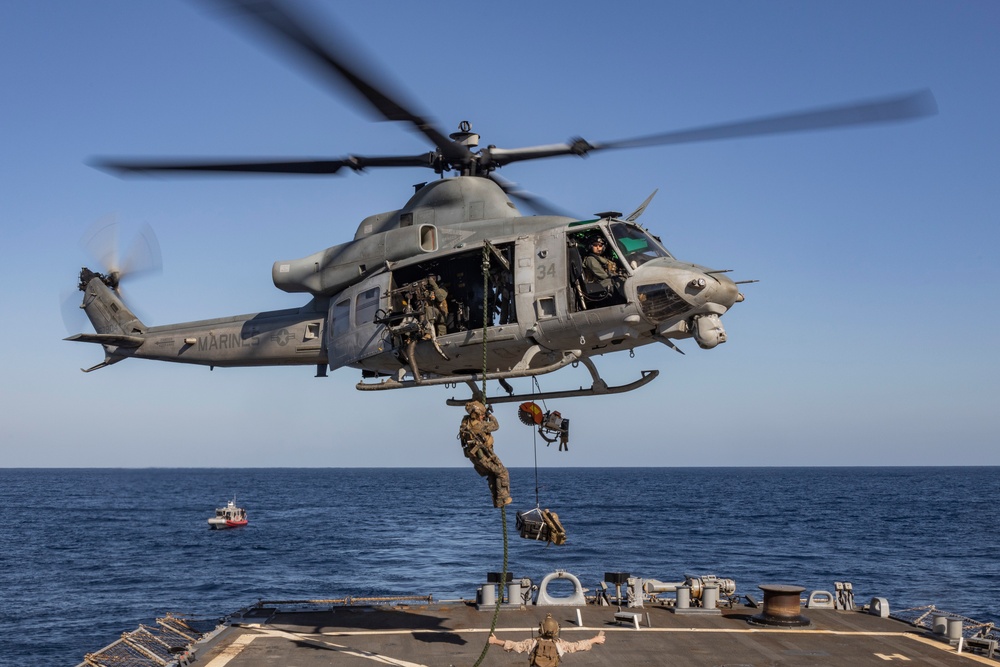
(634, 215)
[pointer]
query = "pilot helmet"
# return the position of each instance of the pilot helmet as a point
(473, 407)
(548, 628)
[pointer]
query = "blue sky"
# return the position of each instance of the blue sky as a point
(870, 340)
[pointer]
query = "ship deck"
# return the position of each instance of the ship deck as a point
(454, 633)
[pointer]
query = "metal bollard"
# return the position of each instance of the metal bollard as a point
(954, 629)
(710, 596)
(940, 624)
(514, 592)
(683, 597)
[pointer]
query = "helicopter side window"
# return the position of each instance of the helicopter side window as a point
(636, 245)
(366, 306)
(341, 318)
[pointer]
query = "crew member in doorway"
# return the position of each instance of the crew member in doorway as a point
(600, 269)
(436, 306)
(477, 445)
(548, 648)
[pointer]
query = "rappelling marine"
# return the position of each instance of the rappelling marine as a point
(477, 445)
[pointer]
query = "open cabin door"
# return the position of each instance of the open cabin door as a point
(352, 332)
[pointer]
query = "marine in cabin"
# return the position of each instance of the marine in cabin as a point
(435, 300)
(548, 648)
(600, 269)
(477, 445)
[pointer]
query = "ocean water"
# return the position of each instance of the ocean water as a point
(89, 554)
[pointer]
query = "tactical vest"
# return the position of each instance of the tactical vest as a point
(545, 654)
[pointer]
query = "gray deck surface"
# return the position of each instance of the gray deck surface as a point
(454, 634)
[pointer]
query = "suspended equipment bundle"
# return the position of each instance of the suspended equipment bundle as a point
(541, 525)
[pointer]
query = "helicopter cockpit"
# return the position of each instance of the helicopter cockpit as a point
(589, 290)
(635, 244)
(631, 246)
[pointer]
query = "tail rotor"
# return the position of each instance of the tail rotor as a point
(142, 258)
(101, 243)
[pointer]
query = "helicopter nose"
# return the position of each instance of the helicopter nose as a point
(714, 288)
(668, 291)
(687, 299)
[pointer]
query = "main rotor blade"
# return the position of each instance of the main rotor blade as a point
(352, 69)
(263, 166)
(125, 167)
(536, 203)
(886, 110)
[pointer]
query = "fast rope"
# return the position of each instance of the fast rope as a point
(503, 585)
(503, 508)
(486, 314)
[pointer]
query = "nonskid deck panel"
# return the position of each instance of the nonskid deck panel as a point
(455, 633)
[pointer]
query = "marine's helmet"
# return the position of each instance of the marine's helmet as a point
(474, 407)
(548, 628)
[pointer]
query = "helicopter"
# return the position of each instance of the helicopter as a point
(457, 285)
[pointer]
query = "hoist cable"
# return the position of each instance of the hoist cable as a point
(535, 443)
(538, 388)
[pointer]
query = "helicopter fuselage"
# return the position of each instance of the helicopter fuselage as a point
(522, 281)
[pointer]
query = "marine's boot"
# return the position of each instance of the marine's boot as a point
(501, 491)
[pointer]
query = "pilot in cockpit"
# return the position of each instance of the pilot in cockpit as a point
(600, 269)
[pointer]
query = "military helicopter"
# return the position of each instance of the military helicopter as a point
(456, 286)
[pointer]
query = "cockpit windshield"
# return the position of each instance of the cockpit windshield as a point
(636, 245)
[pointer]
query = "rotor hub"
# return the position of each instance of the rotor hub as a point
(465, 136)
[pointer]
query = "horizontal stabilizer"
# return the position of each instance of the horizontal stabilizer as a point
(118, 340)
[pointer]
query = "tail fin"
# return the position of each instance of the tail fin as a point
(107, 312)
(117, 327)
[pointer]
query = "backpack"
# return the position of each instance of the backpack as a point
(545, 654)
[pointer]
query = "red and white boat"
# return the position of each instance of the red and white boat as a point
(229, 516)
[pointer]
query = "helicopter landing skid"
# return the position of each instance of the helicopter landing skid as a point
(522, 369)
(599, 388)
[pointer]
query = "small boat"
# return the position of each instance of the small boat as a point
(229, 516)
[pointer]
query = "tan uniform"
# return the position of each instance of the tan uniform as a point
(477, 445)
(547, 649)
(436, 307)
(562, 646)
